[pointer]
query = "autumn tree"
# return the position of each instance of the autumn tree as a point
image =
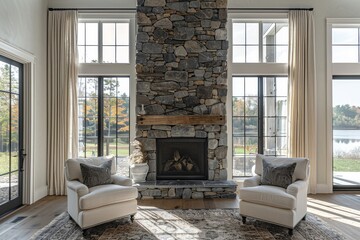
(9, 102)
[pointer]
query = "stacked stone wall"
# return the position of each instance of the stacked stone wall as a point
(181, 66)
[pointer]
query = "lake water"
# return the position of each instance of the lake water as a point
(346, 140)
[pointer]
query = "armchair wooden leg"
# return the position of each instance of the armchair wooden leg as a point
(291, 231)
(304, 218)
(243, 219)
(132, 218)
(85, 232)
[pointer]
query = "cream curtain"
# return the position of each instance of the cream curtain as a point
(302, 88)
(61, 96)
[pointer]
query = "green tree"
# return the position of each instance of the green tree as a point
(346, 117)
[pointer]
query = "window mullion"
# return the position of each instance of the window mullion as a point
(101, 117)
(117, 116)
(245, 152)
(100, 47)
(85, 117)
(358, 46)
(115, 60)
(275, 116)
(260, 116)
(245, 44)
(85, 42)
(260, 42)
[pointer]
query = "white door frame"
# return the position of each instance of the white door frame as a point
(28, 59)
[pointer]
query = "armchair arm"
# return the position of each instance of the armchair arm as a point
(121, 180)
(252, 181)
(297, 187)
(78, 187)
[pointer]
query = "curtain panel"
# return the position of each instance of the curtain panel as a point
(302, 88)
(61, 96)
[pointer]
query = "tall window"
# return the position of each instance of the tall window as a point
(105, 73)
(104, 117)
(259, 90)
(344, 47)
(259, 120)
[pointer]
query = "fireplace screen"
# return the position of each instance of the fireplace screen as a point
(181, 158)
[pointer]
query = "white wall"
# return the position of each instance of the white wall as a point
(23, 25)
(92, 3)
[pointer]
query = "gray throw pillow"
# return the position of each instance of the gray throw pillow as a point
(96, 175)
(277, 175)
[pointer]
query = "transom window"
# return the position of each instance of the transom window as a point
(345, 44)
(257, 41)
(103, 41)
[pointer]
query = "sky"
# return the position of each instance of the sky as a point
(346, 92)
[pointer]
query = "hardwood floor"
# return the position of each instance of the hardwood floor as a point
(28, 220)
(340, 210)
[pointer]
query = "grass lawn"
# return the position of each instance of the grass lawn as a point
(4, 162)
(346, 165)
(248, 150)
(122, 149)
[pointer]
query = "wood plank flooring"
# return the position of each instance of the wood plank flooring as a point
(341, 211)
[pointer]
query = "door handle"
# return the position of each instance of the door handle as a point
(22, 156)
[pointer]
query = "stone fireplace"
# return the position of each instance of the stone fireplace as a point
(181, 66)
(181, 158)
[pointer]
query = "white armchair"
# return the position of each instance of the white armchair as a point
(277, 205)
(99, 204)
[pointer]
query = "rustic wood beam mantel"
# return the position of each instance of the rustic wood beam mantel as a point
(177, 120)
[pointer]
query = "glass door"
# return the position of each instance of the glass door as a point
(346, 133)
(11, 152)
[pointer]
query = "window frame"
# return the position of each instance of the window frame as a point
(100, 22)
(100, 113)
(116, 69)
(334, 70)
(344, 26)
(247, 70)
(261, 116)
(260, 44)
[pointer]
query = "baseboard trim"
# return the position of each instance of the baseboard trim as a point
(39, 194)
(324, 188)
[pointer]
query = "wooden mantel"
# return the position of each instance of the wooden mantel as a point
(183, 119)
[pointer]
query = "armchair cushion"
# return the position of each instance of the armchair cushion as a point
(103, 195)
(301, 170)
(73, 170)
(277, 175)
(96, 175)
(269, 196)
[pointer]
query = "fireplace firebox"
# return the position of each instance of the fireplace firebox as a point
(181, 159)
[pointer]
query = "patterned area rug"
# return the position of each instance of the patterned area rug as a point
(154, 223)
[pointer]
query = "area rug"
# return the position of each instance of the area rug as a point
(154, 223)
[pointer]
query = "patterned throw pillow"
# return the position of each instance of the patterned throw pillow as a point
(96, 175)
(277, 175)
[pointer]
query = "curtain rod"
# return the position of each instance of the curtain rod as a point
(92, 9)
(133, 9)
(271, 9)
